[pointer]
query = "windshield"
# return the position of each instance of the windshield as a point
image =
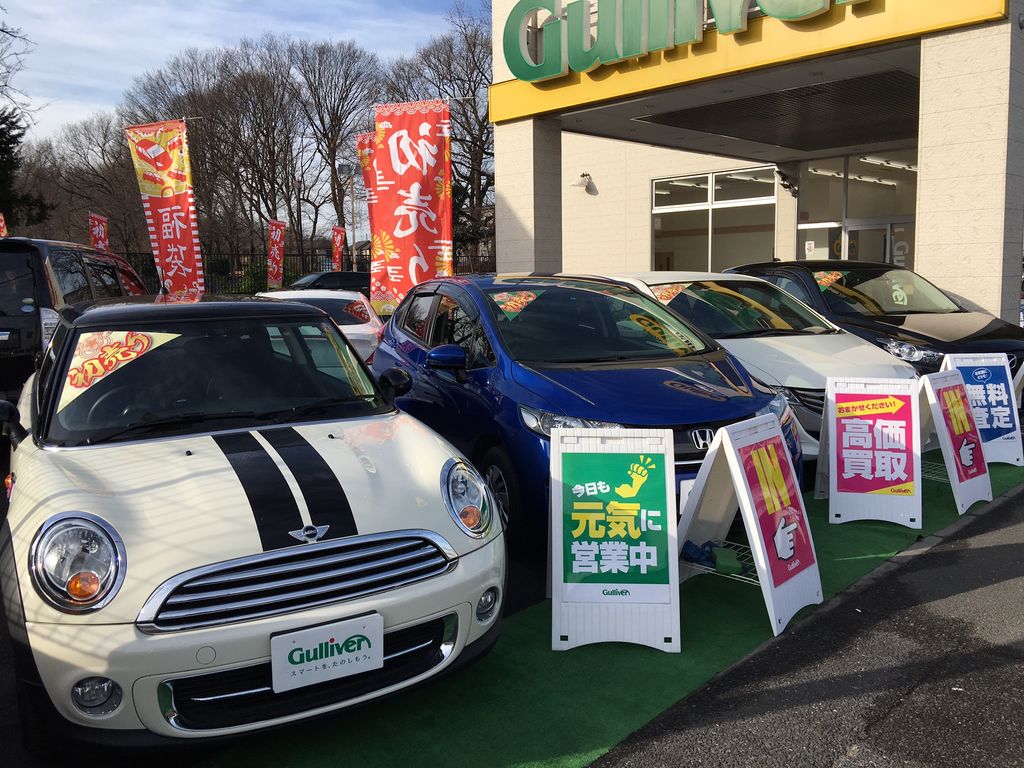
(302, 282)
(729, 309)
(881, 291)
(580, 322)
(342, 311)
(17, 286)
(193, 377)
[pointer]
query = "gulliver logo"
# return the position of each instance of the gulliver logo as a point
(621, 32)
(615, 593)
(328, 650)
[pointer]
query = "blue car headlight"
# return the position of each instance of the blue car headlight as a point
(542, 422)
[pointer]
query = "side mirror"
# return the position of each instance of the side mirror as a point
(11, 421)
(394, 383)
(447, 357)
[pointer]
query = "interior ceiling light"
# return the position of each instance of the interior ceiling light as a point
(747, 177)
(889, 163)
(867, 179)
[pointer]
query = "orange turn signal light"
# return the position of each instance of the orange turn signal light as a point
(83, 586)
(470, 517)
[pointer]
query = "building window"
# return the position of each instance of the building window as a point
(714, 221)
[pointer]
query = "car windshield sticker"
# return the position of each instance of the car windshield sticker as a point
(665, 293)
(100, 353)
(358, 310)
(514, 302)
(679, 344)
(826, 280)
(899, 296)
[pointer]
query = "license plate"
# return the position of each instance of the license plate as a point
(5, 335)
(326, 652)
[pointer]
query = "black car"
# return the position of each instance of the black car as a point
(334, 281)
(37, 279)
(894, 308)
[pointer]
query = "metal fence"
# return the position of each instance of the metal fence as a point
(247, 273)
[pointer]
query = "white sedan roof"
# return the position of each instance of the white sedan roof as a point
(313, 294)
(661, 278)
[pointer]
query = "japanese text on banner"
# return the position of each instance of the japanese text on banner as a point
(968, 455)
(160, 156)
(407, 170)
(990, 394)
(779, 509)
(875, 444)
(614, 520)
(338, 237)
(275, 253)
(98, 237)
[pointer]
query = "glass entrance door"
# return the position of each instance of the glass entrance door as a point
(890, 242)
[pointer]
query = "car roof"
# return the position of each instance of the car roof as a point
(314, 293)
(817, 265)
(660, 278)
(522, 278)
(135, 309)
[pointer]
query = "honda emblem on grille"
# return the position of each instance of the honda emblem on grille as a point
(310, 534)
(702, 438)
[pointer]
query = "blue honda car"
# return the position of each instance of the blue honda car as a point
(497, 362)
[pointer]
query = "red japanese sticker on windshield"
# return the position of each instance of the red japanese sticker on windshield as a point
(665, 293)
(513, 302)
(357, 310)
(100, 353)
(825, 280)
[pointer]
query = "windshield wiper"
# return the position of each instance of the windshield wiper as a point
(299, 411)
(178, 419)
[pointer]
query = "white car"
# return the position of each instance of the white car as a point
(218, 523)
(350, 310)
(780, 340)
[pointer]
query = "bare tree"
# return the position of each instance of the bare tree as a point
(14, 47)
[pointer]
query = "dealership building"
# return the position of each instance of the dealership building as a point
(701, 134)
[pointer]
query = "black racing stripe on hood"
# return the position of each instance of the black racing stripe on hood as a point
(272, 501)
(326, 499)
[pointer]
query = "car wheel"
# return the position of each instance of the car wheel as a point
(501, 477)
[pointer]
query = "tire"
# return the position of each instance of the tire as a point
(500, 475)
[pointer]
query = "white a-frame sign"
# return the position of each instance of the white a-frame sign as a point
(874, 450)
(749, 465)
(615, 572)
(990, 391)
(953, 421)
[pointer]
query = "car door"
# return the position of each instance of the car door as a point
(469, 392)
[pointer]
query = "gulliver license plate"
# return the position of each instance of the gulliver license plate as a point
(327, 652)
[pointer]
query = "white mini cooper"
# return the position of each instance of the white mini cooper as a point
(218, 522)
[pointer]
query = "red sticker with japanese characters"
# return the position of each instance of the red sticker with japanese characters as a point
(513, 302)
(780, 513)
(874, 444)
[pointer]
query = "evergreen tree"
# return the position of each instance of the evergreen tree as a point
(18, 208)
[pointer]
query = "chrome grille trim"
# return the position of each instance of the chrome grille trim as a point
(224, 593)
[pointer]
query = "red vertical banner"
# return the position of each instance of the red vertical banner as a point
(98, 233)
(275, 253)
(160, 155)
(410, 198)
(338, 237)
(3, 227)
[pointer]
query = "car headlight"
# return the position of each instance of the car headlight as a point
(467, 498)
(910, 353)
(77, 562)
(779, 406)
(543, 422)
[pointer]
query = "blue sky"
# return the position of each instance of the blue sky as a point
(88, 51)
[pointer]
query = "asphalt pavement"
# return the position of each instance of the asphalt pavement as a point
(920, 664)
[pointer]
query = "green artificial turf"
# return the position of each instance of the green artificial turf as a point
(526, 705)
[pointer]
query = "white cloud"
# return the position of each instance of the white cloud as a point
(86, 52)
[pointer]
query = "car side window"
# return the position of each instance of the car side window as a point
(453, 325)
(130, 284)
(791, 286)
(329, 282)
(103, 277)
(415, 318)
(72, 282)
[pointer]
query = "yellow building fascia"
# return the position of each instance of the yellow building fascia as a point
(766, 42)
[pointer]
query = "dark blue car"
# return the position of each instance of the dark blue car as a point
(497, 362)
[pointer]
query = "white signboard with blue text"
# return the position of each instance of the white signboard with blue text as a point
(990, 391)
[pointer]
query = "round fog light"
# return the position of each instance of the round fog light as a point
(96, 695)
(487, 603)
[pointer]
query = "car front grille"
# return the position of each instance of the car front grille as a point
(811, 399)
(246, 695)
(295, 579)
(688, 455)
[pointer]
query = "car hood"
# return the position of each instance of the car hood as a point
(183, 503)
(945, 332)
(806, 362)
(698, 389)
